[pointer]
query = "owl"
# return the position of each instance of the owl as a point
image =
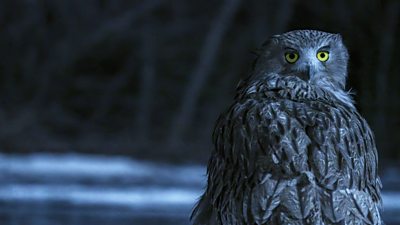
(292, 148)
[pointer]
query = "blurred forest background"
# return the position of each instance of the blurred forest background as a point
(107, 106)
(148, 79)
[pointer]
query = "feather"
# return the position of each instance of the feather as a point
(287, 152)
(265, 198)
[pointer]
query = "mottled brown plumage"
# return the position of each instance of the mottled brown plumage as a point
(291, 150)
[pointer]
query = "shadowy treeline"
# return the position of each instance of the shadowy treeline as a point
(149, 78)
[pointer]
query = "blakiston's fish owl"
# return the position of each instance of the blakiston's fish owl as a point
(292, 148)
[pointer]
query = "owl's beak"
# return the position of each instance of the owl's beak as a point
(305, 74)
(309, 73)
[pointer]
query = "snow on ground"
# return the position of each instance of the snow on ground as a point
(79, 194)
(122, 182)
(391, 200)
(134, 196)
(97, 167)
(109, 181)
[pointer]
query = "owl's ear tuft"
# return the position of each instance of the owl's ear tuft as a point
(275, 36)
(338, 37)
(272, 40)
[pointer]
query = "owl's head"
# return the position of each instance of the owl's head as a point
(317, 57)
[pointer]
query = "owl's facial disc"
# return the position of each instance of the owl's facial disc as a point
(309, 64)
(317, 57)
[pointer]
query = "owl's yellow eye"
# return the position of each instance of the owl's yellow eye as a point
(323, 56)
(291, 57)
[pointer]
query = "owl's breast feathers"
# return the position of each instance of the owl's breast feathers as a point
(289, 153)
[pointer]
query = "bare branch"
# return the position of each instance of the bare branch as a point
(386, 49)
(203, 69)
(147, 86)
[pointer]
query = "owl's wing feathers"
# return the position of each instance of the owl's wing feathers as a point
(293, 162)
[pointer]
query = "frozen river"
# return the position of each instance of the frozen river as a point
(44, 189)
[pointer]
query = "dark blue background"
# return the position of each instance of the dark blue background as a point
(107, 107)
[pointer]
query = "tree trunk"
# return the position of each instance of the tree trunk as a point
(202, 70)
